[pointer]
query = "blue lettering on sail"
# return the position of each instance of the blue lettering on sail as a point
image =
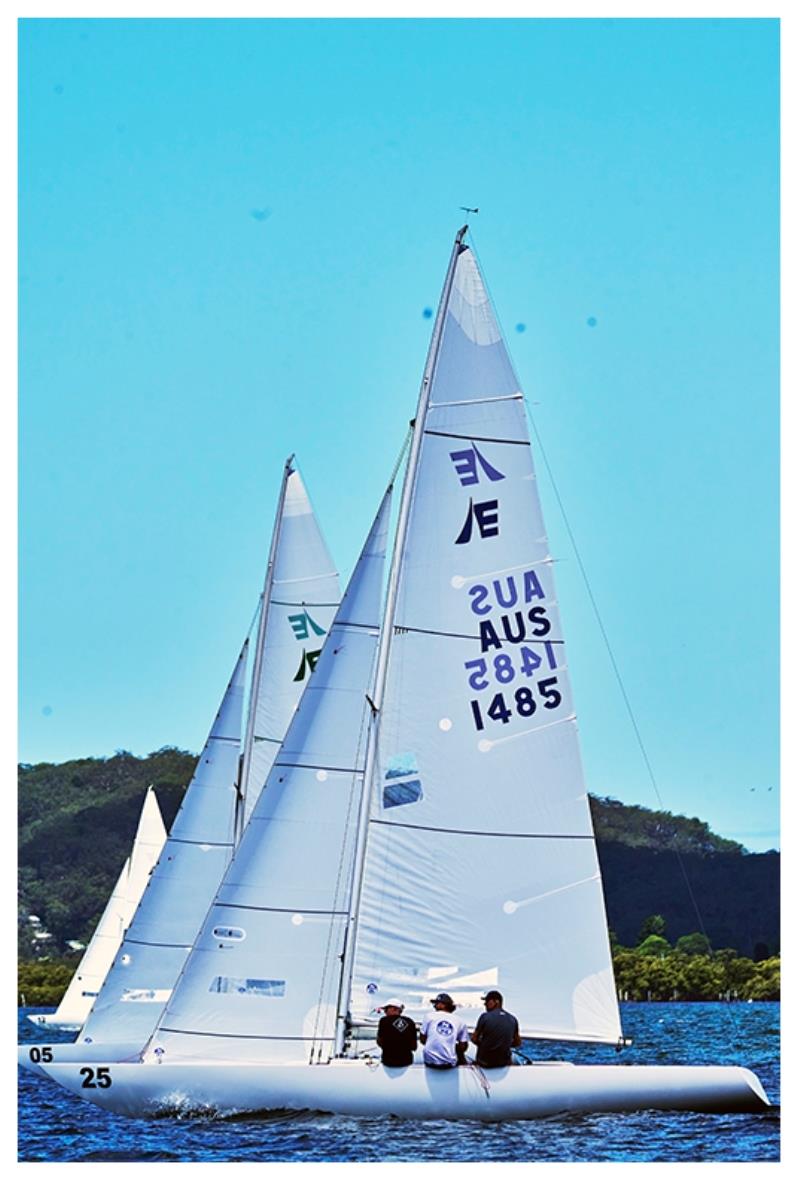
(466, 465)
(505, 592)
(485, 515)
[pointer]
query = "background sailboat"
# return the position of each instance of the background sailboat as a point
(301, 591)
(74, 1007)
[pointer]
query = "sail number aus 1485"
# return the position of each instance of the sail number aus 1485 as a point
(523, 703)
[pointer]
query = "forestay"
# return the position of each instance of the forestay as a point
(262, 980)
(481, 869)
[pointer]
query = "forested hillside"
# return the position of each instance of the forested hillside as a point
(77, 822)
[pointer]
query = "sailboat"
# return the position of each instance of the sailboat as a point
(74, 1007)
(425, 825)
(300, 595)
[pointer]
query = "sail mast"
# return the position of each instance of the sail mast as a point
(387, 629)
(247, 750)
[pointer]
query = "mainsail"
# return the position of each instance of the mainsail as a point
(117, 914)
(481, 868)
(300, 595)
(262, 980)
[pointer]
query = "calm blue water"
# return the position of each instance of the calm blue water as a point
(55, 1126)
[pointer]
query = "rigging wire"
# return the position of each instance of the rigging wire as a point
(248, 634)
(401, 456)
(598, 617)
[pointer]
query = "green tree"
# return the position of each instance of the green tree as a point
(703, 979)
(654, 946)
(765, 984)
(695, 944)
(654, 925)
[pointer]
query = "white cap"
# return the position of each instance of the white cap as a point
(393, 1001)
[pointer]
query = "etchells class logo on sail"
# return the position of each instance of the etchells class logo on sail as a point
(470, 467)
(303, 625)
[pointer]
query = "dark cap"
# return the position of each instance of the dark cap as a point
(445, 998)
(493, 995)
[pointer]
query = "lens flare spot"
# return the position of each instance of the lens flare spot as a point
(445, 724)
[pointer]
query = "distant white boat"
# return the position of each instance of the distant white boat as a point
(425, 825)
(90, 974)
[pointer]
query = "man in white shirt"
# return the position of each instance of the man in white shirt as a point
(444, 1037)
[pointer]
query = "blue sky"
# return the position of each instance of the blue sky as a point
(230, 234)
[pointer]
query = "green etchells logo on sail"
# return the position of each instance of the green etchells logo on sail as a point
(303, 625)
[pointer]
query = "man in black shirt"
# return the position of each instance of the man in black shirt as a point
(397, 1036)
(496, 1032)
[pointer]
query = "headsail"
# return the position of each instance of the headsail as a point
(117, 914)
(262, 981)
(480, 867)
(172, 907)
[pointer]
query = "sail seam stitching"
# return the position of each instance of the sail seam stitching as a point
(223, 845)
(261, 1037)
(316, 767)
(484, 832)
(155, 943)
(299, 603)
(480, 438)
(280, 910)
(455, 635)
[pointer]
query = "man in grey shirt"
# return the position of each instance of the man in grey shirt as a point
(496, 1033)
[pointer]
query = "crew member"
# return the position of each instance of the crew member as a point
(495, 1033)
(444, 1037)
(397, 1036)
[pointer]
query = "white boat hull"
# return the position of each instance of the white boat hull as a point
(361, 1088)
(35, 1056)
(53, 1022)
